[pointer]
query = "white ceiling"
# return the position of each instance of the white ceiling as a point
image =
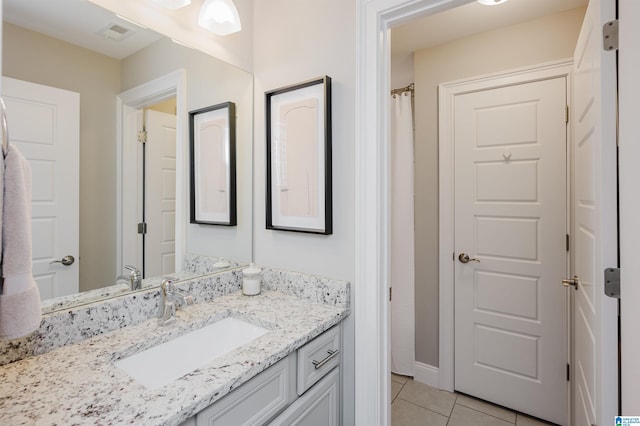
(471, 19)
(78, 22)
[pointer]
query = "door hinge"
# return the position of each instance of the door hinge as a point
(142, 136)
(568, 372)
(610, 35)
(142, 228)
(568, 242)
(390, 293)
(566, 115)
(612, 282)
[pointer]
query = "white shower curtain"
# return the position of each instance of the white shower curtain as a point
(402, 236)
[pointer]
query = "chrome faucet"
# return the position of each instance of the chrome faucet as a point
(170, 297)
(134, 278)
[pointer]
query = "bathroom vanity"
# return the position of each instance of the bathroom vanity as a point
(290, 372)
(303, 388)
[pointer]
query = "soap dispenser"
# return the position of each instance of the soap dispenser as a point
(251, 280)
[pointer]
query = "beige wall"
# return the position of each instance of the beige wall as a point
(295, 41)
(168, 106)
(33, 57)
(541, 40)
(302, 49)
(210, 81)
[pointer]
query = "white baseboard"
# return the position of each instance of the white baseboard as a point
(425, 373)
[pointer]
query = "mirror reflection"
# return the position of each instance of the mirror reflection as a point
(72, 79)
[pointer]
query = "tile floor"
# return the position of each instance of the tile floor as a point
(416, 404)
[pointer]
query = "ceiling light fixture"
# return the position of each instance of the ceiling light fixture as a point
(491, 2)
(173, 4)
(220, 17)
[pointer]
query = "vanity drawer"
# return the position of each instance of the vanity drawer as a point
(317, 358)
(255, 402)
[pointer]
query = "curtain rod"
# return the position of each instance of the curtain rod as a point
(408, 88)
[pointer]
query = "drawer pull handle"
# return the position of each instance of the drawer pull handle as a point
(319, 364)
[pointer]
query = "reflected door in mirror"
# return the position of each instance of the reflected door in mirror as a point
(160, 193)
(44, 125)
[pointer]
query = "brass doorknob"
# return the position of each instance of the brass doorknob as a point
(571, 282)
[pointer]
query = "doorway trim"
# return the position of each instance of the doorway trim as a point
(372, 175)
(447, 92)
(128, 104)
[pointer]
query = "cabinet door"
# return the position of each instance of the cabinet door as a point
(320, 405)
(255, 402)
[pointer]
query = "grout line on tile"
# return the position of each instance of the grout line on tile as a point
(398, 394)
(482, 412)
(425, 408)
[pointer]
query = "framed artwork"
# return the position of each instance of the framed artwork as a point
(212, 139)
(299, 157)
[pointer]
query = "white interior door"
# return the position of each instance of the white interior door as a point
(44, 123)
(595, 358)
(511, 344)
(160, 193)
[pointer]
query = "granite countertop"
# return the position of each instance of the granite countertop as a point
(85, 297)
(80, 385)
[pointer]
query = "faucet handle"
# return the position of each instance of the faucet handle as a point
(135, 277)
(132, 268)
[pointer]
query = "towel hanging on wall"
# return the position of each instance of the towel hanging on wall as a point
(20, 311)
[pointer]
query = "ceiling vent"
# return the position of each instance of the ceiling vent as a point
(115, 32)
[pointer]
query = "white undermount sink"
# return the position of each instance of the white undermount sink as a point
(162, 364)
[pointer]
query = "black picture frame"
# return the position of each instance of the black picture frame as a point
(212, 156)
(299, 175)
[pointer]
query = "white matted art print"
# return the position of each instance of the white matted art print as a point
(213, 169)
(299, 157)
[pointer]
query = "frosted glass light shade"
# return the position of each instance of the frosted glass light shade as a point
(173, 4)
(220, 17)
(491, 2)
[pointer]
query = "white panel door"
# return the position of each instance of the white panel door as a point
(44, 123)
(595, 357)
(160, 193)
(511, 344)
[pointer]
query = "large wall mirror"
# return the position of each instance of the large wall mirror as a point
(56, 50)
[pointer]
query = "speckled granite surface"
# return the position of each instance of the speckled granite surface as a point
(79, 385)
(66, 302)
(72, 325)
(201, 264)
(310, 287)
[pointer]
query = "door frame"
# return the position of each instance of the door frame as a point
(372, 184)
(374, 18)
(128, 105)
(447, 92)
(629, 174)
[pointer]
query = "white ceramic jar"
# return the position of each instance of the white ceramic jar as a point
(251, 280)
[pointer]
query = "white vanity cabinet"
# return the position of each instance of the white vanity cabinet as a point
(301, 389)
(256, 401)
(319, 406)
